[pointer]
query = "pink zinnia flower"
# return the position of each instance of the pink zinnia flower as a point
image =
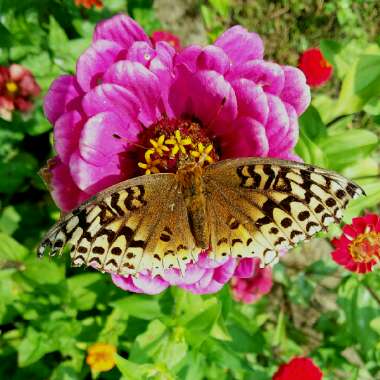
(250, 282)
(315, 67)
(358, 249)
(128, 93)
(298, 368)
(170, 38)
(18, 88)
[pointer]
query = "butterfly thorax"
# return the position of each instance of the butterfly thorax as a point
(193, 191)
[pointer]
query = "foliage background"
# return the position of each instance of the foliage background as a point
(50, 313)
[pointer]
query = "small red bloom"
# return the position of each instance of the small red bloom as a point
(17, 90)
(297, 369)
(162, 35)
(89, 3)
(358, 249)
(315, 67)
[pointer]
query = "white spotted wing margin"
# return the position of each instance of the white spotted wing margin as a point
(259, 207)
(135, 225)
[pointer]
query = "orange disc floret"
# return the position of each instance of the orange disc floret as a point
(358, 249)
(101, 357)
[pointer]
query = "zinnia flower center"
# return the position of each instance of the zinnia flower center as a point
(366, 247)
(171, 143)
(11, 87)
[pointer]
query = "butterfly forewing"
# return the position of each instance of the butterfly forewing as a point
(135, 225)
(258, 207)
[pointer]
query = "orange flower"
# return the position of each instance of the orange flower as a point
(89, 3)
(101, 357)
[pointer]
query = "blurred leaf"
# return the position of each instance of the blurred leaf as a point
(10, 249)
(33, 347)
(312, 124)
(348, 147)
(330, 49)
(9, 220)
(360, 309)
(139, 306)
(147, 19)
(310, 152)
(367, 78)
(130, 370)
(14, 172)
(221, 6)
(5, 36)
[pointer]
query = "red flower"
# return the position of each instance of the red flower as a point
(358, 249)
(315, 67)
(162, 35)
(297, 369)
(89, 3)
(17, 90)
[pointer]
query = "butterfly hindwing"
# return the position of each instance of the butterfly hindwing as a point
(264, 206)
(135, 225)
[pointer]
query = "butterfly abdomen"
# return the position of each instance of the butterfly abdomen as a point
(193, 191)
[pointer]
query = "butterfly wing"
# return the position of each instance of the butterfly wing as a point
(135, 225)
(257, 207)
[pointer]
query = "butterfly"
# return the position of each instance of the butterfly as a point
(246, 207)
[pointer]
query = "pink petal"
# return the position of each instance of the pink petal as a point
(67, 130)
(115, 98)
(120, 29)
(269, 75)
(295, 92)
(142, 82)
(125, 283)
(64, 191)
(192, 274)
(98, 144)
(95, 61)
(240, 45)
(62, 96)
(246, 267)
(247, 138)
(290, 140)
(223, 273)
(91, 178)
(205, 261)
(252, 100)
(149, 284)
(277, 125)
(188, 57)
(141, 52)
(205, 95)
(213, 58)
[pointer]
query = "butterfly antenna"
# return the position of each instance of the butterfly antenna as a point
(118, 137)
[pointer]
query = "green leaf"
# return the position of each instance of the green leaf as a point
(15, 171)
(309, 151)
(5, 37)
(139, 306)
(198, 327)
(9, 220)
(221, 6)
(10, 249)
(312, 124)
(367, 78)
(330, 49)
(360, 309)
(131, 370)
(57, 37)
(33, 347)
(348, 147)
